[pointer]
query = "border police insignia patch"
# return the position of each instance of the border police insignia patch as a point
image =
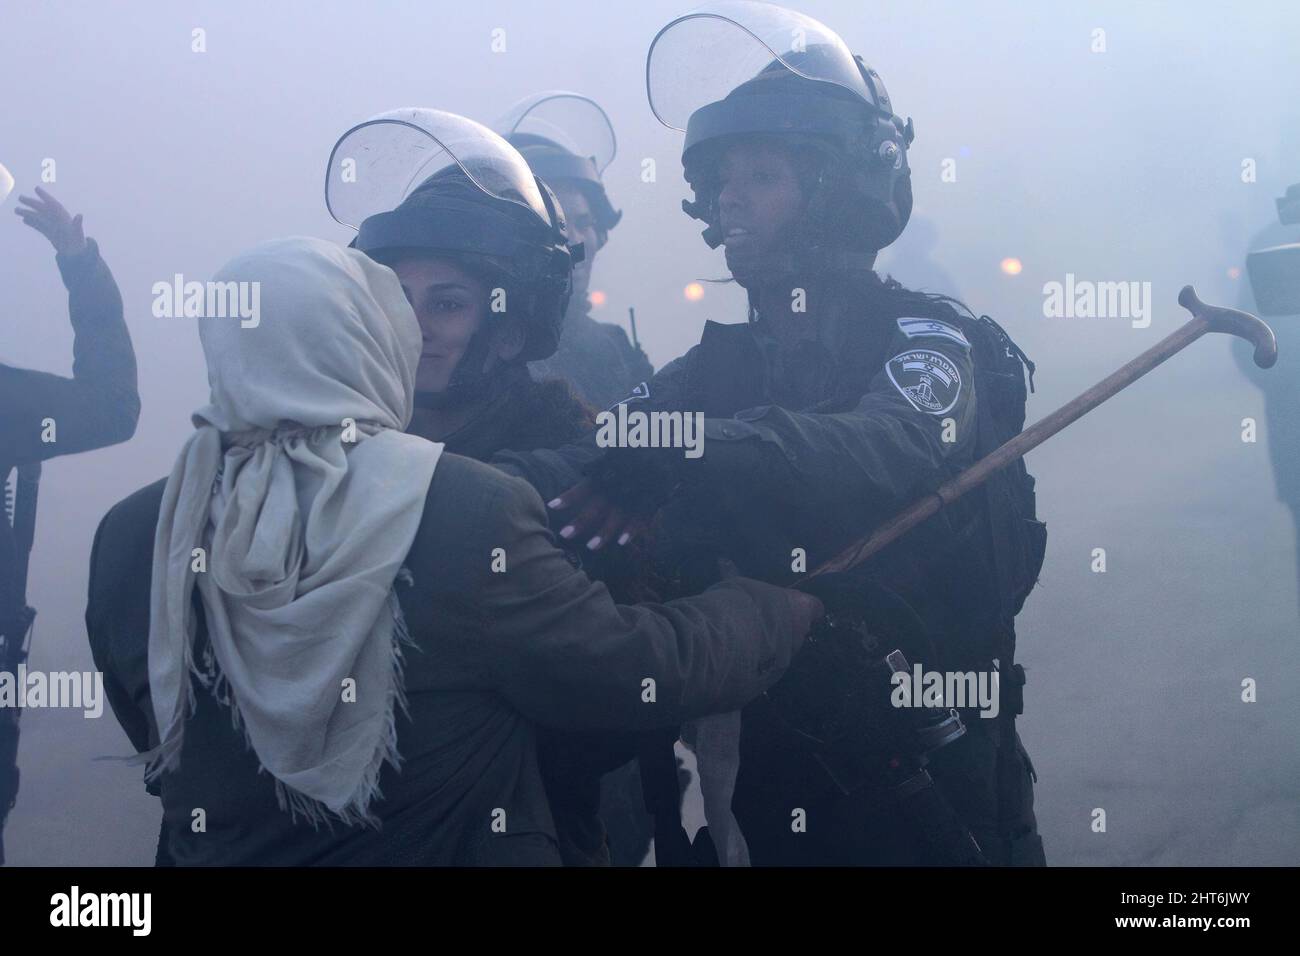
(915, 327)
(928, 380)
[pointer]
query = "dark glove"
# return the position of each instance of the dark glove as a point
(639, 480)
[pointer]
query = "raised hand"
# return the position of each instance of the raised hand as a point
(47, 216)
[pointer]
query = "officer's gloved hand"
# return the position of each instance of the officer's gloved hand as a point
(856, 602)
(588, 515)
(615, 502)
(639, 480)
(620, 495)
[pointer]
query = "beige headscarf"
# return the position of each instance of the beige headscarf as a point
(304, 522)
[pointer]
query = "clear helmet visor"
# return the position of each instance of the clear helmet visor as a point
(571, 120)
(702, 56)
(6, 183)
(378, 163)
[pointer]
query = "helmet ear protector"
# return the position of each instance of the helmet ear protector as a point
(551, 281)
(543, 269)
(884, 180)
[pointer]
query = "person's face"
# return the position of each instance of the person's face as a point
(451, 305)
(758, 203)
(582, 228)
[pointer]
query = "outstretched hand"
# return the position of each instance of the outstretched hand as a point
(595, 518)
(618, 499)
(47, 216)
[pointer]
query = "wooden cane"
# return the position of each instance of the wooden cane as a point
(1205, 318)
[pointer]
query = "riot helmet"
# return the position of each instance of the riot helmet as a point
(425, 181)
(739, 69)
(566, 138)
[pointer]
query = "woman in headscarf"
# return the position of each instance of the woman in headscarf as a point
(351, 634)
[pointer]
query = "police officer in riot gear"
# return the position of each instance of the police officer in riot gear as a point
(480, 246)
(484, 254)
(842, 399)
(568, 142)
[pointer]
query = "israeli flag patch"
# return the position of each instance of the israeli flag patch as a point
(914, 328)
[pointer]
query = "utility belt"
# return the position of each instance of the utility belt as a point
(851, 707)
(1019, 842)
(850, 702)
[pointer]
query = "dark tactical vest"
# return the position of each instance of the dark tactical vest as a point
(999, 521)
(967, 598)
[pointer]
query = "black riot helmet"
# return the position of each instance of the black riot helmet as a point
(741, 68)
(566, 138)
(421, 180)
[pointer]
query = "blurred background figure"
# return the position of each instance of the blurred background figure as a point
(1273, 267)
(43, 416)
(568, 142)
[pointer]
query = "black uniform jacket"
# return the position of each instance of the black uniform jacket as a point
(804, 453)
(98, 406)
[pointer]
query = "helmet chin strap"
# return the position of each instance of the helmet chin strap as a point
(712, 233)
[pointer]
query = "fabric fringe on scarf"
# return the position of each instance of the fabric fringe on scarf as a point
(356, 812)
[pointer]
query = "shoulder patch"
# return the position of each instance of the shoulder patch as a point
(913, 328)
(928, 380)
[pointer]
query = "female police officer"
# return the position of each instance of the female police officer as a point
(840, 400)
(483, 252)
